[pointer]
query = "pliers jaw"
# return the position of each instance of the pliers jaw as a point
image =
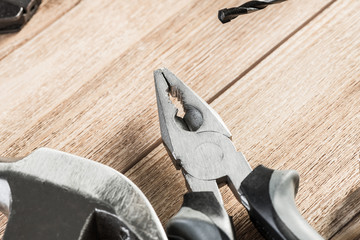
(199, 116)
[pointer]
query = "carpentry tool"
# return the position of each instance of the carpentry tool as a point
(51, 195)
(227, 14)
(200, 145)
(15, 13)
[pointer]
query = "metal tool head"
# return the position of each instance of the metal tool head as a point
(199, 116)
(199, 143)
(55, 195)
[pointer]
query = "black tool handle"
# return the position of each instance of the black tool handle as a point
(270, 197)
(15, 13)
(195, 220)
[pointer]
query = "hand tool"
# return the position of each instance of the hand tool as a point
(15, 13)
(52, 195)
(200, 145)
(227, 14)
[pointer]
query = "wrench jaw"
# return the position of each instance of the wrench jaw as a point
(104, 225)
(53, 193)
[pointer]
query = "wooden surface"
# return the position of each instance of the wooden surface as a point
(286, 81)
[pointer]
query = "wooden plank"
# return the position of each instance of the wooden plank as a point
(93, 95)
(350, 231)
(345, 214)
(298, 109)
(48, 13)
(52, 67)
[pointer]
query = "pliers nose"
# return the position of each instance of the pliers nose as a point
(199, 116)
(200, 134)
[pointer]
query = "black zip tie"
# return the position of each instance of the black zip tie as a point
(227, 14)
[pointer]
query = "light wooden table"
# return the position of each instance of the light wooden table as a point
(286, 81)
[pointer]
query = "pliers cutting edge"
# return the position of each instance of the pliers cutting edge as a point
(200, 145)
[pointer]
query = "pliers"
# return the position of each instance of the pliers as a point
(200, 146)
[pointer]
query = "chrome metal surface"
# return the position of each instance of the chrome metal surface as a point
(96, 185)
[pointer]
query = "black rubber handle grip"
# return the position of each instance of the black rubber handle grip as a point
(197, 219)
(270, 196)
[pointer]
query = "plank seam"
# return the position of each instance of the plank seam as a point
(143, 155)
(230, 84)
(342, 227)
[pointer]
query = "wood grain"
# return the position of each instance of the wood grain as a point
(93, 95)
(298, 109)
(285, 80)
(48, 13)
(351, 228)
(349, 231)
(67, 55)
